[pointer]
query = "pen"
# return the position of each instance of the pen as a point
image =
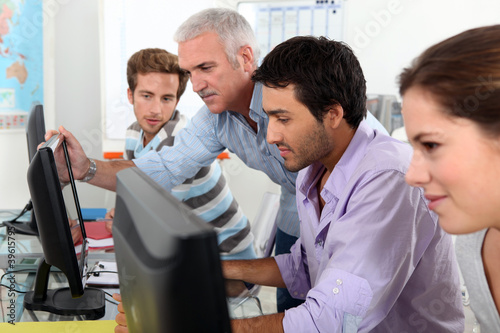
(103, 220)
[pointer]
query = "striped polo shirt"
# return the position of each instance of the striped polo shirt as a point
(207, 192)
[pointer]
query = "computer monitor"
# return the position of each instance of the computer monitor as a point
(168, 261)
(35, 134)
(50, 207)
(35, 130)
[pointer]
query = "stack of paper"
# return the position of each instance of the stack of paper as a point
(97, 235)
(104, 279)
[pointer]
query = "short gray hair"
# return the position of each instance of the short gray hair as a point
(233, 30)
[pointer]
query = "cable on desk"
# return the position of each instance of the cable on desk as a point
(18, 284)
(96, 273)
(17, 291)
(93, 272)
(108, 300)
(28, 207)
(26, 270)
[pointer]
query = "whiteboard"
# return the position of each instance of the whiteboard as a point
(275, 22)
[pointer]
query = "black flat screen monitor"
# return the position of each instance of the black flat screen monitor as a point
(35, 131)
(168, 261)
(35, 134)
(53, 208)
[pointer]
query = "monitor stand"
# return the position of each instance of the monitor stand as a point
(24, 228)
(59, 301)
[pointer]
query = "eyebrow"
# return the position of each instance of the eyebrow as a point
(143, 91)
(419, 136)
(205, 64)
(275, 112)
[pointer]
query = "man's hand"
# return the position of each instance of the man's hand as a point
(109, 217)
(79, 162)
(120, 318)
(235, 288)
(105, 176)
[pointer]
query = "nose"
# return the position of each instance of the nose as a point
(273, 136)
(417, 174)
(155, 107)
(198, 83)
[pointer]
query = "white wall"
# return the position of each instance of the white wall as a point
(386, 35)
(13, 187)
(77, 82)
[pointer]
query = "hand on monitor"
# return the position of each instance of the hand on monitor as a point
(79, 160)
(120, 318)
(109, 220)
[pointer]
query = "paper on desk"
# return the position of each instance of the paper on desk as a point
(97, 230)
(98, 236)
(100, 243)
(104, 279)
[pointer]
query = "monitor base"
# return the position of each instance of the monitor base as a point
(24, 228)
(59, 301)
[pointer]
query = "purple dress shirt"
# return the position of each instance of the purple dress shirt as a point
(374, 259)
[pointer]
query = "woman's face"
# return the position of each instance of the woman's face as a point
(456, 164)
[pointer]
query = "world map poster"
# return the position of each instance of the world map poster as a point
(21, 55)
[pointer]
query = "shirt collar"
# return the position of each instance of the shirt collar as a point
(256, 111)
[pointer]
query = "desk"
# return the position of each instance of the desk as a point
(23, 246)
(17, 247)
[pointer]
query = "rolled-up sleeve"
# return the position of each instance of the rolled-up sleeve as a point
(294, 272)
(336, 304)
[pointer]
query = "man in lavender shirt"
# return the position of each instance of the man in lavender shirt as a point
(371, 256)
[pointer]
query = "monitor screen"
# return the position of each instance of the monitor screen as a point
(53, 209)
(35, 132)
(168, 261)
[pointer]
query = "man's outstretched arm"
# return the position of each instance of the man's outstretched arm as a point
(257, 271)
(105, 175)
(270, 324)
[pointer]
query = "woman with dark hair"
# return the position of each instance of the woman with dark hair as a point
(451, 110)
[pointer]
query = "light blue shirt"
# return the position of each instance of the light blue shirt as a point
(374, 259)
(208, 134)
(207, 193)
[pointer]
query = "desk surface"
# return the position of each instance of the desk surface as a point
(16, 247)
(13, 249)
(61, 326)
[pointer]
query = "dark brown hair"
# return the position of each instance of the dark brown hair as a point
(463, 74)
(155, 61)
(324, 72)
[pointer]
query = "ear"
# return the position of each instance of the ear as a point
(130, 96)
(246, 53)
(334, 116)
